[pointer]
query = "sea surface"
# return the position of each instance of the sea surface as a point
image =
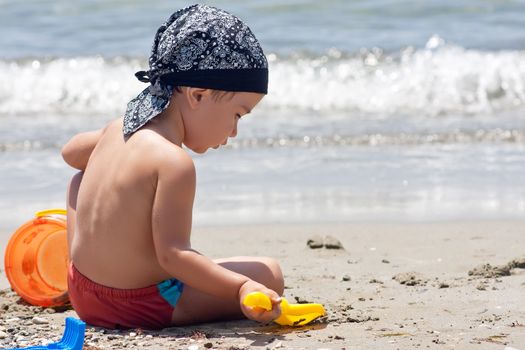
(377, 110)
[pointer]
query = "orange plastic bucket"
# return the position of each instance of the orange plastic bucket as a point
(36, 259)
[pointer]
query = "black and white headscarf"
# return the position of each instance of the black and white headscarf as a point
(199, 46)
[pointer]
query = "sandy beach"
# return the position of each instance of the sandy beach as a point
(388, 286)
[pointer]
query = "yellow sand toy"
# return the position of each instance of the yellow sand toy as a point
(291, 314)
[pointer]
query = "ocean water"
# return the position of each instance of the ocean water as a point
(378, 110)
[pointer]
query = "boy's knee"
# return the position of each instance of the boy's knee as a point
(74, 184)
(264, 270)
(276, 281)
(72, 191)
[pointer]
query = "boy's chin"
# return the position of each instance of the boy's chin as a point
(199, 150)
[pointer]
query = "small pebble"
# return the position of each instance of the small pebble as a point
(332, 243)
(20, 338)
(40, 320)
(3, 335)
(346, 278)
(374, 280)
(132, 334)
(517, 263)
(300, 300)
(384, 261)
(315, 242)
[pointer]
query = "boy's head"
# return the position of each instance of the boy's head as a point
(206, 49)
(210, 117)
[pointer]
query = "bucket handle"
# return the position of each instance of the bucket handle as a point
(54, 211)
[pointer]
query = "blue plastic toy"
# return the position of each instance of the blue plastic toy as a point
(73, 338)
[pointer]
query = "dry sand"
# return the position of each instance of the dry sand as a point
(393, 286)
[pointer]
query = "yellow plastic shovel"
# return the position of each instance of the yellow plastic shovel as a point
(291, 314)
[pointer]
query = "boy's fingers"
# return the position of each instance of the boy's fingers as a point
(274, 297)
(268, 316)
(256, 313)
(261, 315)
(274, 313)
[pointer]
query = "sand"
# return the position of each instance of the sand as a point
(385, 286)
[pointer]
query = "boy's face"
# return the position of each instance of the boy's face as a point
(210, 120)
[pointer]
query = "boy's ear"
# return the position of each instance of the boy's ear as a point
(195, 96)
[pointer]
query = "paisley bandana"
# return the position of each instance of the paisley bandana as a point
(199, 46)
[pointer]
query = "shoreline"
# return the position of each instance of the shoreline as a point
(394, 285)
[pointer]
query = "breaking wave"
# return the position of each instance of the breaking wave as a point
(438, 79)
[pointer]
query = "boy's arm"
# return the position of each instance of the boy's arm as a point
(171, 223)
(77, 150)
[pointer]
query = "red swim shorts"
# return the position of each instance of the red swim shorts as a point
(149, 308)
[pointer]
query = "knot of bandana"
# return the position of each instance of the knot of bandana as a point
(160, 90)
(199, 46)
(143, 76)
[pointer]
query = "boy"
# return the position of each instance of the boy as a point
(130, 207)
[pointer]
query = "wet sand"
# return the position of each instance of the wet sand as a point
(385, 286)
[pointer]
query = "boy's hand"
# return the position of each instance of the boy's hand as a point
(259, 314)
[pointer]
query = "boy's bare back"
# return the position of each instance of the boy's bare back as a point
(119, 190)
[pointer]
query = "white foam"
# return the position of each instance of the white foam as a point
(439, 79)
(68, 85)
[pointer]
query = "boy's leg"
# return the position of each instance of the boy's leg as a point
(71, 198)
(196, 307)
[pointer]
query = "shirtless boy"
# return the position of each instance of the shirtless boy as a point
(130, 206)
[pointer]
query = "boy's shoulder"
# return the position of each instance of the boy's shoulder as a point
(156, 152)
(172, 161)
